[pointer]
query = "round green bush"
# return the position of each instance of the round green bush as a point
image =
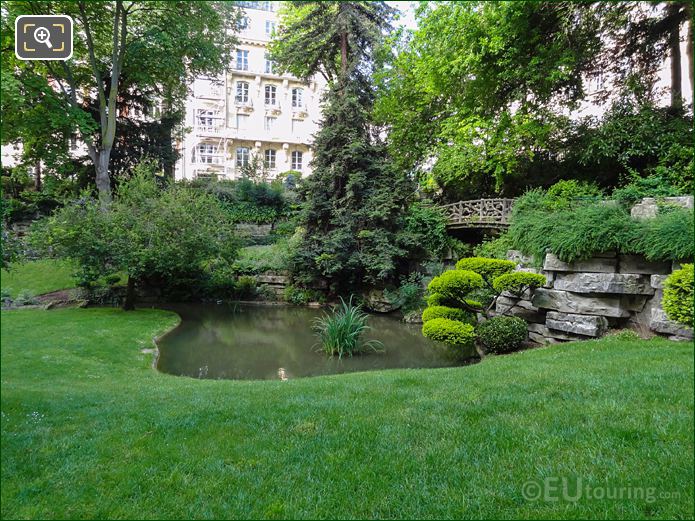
(502, 334)
(437, 299)
(450, 332)
(517, 282)
(455, 285)
(433, 312)
(486, 268)
(678, 295)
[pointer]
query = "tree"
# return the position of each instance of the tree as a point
(149, 234)
(160, 45)
(352, 216)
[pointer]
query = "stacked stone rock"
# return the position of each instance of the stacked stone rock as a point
(584, 299)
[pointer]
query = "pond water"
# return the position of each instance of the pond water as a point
(277, 343)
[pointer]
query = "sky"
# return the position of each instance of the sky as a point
(407, 10)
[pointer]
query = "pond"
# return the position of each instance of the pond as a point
(276, 342)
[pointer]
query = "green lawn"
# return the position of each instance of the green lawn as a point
(89, 429)
(40, 276)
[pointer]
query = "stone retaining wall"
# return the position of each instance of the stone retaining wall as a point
(584, 299)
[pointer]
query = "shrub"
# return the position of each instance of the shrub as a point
(502, 334)
(409, 296)
(496, 248)
(253, 260)
(678, 295)
(486, 268)
(668, 236)
(454, 285)
(450, 332)
(340, 331)
(569, 191)
(639, 187)
(436, 299)
(25, 298)
(302, 296)
(433, 312)
(517, 282)
(245, 287)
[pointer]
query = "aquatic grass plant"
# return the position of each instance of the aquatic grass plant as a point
(339, 332)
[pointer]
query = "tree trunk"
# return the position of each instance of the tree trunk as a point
(102, 178)
(674, 44)
(343, 54)
(129, 303)
(689, 48)
(37, 177)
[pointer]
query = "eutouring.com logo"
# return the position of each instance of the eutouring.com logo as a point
(575, 489)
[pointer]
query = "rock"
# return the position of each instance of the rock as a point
(593, 265)
(82, 303)
(567, 302)
(272, 279)
(314, 304)
(586, 325)
(657, 281)
(537, 338)
(678, 338)
(661, 324)
(617, 283)
(633, 302)
(374, 300)
(519, 308)
(648, 207)
(521, 260)
(49, 305)
(638, 264)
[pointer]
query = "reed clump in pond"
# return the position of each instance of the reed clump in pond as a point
(340, 331)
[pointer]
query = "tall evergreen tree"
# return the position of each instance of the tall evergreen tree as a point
(354, 201)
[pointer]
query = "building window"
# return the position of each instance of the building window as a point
(206, 154)
(241, 121)
(268, 65)
(242, 157)
(269, 123)
(297, 98)
(242, 60)
(263, 6)
(269, 27)
(296, 160)
(206, 118)
(270, 158)
(243, 23)
(270, 94)
(242, 92)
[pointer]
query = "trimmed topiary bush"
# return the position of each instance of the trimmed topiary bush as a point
(518, 282)
(454, 285)
(501, 334)
(486, 268)
(433, 312)
(450, 332)
(437, 299)
(678, 295)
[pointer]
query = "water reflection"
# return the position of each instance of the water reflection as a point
(277, 343)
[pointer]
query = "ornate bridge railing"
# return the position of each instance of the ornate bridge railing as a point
(479, 213)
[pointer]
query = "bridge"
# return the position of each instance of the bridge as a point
(478, 213)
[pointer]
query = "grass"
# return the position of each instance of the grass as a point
(38, 277)
(89, 429)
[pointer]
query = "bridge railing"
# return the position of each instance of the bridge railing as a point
(479, 213)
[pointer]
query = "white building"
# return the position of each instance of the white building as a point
(251, 111)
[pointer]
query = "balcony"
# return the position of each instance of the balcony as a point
(205, 130)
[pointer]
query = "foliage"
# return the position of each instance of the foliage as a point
(488, 269)
(668, 236)
(352, 214)
(122, 50)
(25, 298)
(151, 234)
(494, 248)
(640, 187)
(437, 299)
(428, 224)
(245, 286)
(257, 259)
(340, 331)
(453, 333)
(454, 285)
(502, 334)
(586, 229)
(460, 315)
(519, 281)
(564, 193)
(410, 294)
(302, 296)
(678, 295)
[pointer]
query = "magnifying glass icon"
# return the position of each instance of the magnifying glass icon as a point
(43, 35)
